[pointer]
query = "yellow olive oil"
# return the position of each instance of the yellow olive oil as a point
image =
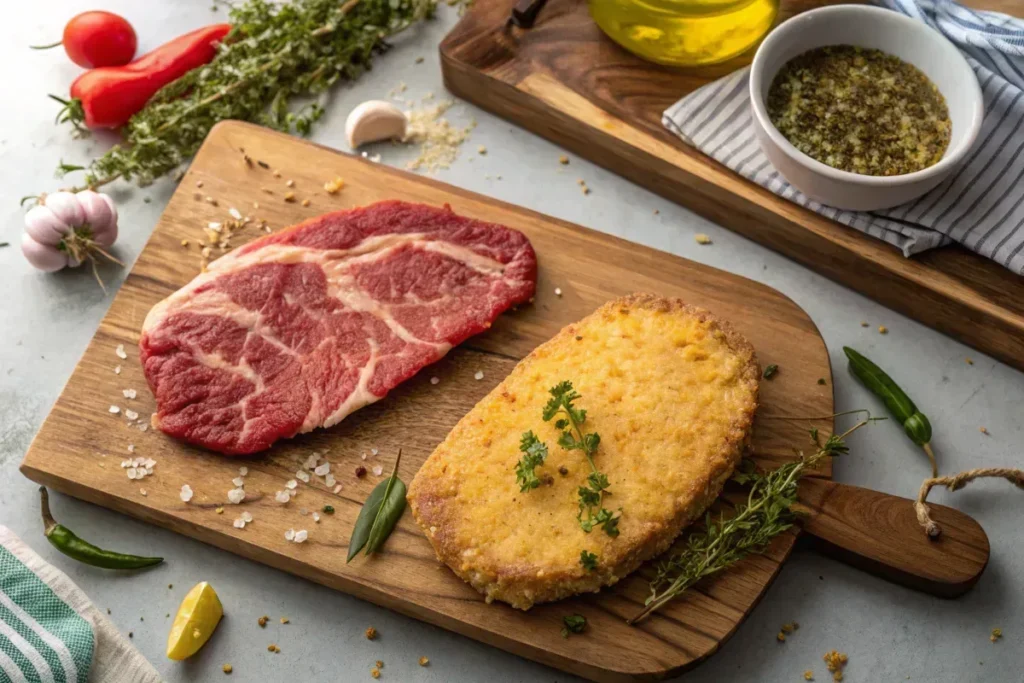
(685, 32)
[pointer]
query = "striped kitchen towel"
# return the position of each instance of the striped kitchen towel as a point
(981, 205)
(49, 630)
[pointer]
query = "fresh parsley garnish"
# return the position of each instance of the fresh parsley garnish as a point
(570, 421)
(534, 452)
(574, 623)
(588, 560)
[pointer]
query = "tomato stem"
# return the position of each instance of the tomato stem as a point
(46, 47)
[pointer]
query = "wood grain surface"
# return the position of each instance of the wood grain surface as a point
(80, 447)
(566, 81)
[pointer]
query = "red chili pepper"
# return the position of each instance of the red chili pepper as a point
(108, 97)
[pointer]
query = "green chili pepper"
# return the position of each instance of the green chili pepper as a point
(64, 540)
(915, 423)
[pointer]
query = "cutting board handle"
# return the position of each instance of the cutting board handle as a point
(879, 533)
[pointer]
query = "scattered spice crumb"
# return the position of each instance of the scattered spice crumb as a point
(132, 635)
(781, 637)
(563, 160)
(563, 470)
(656, 212)
(770, 371)
(371, 632)
(863, 323)
(481, 149)
(289, 196)
(290, 183)
(273, 648)
(184, 243)
(277, 174)
(821, 381)
(424, 661)
(380, 664)
(983, 430)
(334, 186)
(305, 202)
(284, 620)
(808, 675)
(997, 633)
(227, 668)
(170, 586)
(375, 672)
(882, 329)
(835, 661)
(219, 510)
(211, 201)
(439, 141)
(262, 621)
(701, 238)
(419, 60)
(969, 361)
(361, 472)
(790, 627)
(199, 183)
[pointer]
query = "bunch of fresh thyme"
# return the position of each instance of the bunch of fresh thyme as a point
(767, 513)
(275, 52)
(572, 438)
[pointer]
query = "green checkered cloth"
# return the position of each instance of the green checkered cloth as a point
(49, 630)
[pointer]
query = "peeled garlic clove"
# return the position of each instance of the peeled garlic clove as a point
(374, 121)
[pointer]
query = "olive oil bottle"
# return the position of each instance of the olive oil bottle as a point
(685, 32)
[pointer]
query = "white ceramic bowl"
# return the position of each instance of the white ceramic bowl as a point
(881, 29)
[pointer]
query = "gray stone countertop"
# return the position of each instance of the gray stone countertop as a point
(890, 633)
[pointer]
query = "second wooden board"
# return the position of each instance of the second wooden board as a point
(565, 80)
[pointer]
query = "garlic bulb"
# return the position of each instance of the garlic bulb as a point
(374, 121)
(65, 229)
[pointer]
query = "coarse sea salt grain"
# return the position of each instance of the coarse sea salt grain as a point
(304, 476)
(316, 516)
(133, 473)
(247, 516)
(282, 497)
(117, 370)
(289, 535)
(374, 451)
(239, 523)
(329, 480)
(311, 461)
(186, 493)
(435, 380)
(149, 462)
(337, 489)
(292, 492)
(291, 483)
(322, 470)
(238, 481)
(131, 414)
(243, 470)
(235, 213)
(121, 352)
(129, 393)
(236, 496)
(144, 492)
(131, 448)
(558, 291)
(479, 375)
(115, 410)
(378, 470)
(301, 535)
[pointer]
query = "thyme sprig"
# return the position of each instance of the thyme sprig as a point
(767, 513)
(570, 422)
(274, 53)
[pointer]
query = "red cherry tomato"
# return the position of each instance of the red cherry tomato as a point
(95, 39)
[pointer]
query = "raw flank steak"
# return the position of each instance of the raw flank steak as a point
(300, 328)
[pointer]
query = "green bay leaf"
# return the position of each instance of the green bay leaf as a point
(379, 515)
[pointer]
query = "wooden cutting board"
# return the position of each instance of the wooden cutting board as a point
(565, 80)
(81, 445)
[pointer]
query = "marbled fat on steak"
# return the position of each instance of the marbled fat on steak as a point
(299, 329)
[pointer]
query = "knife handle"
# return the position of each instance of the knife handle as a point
(879, 533)
(525, 12)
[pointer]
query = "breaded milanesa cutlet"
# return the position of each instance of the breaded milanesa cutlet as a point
(672, 392)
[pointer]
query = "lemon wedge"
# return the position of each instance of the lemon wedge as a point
(198, 616)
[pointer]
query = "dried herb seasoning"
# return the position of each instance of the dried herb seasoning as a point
(860, 110)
